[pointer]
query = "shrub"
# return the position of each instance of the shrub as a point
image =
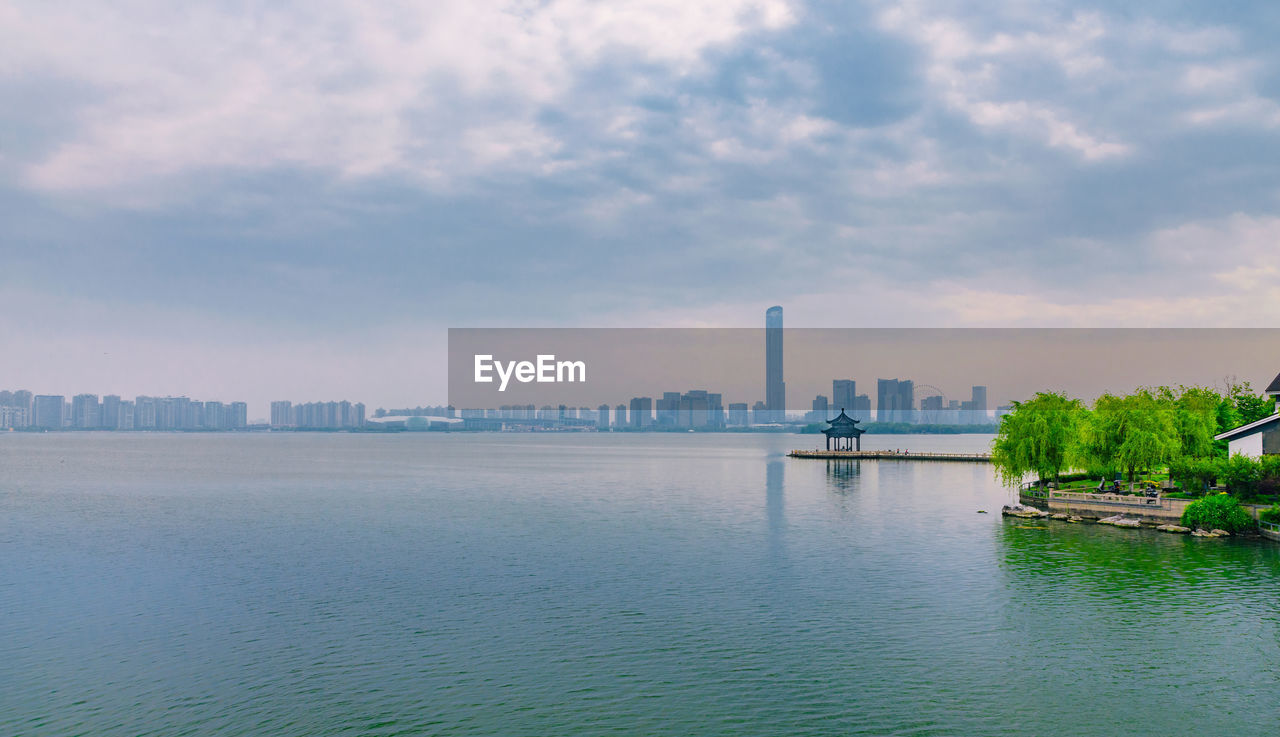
(1270, 514)
(1067, 478)
(1218, 511)
(1241, 474)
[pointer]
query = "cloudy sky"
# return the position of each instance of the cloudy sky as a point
(250, 200)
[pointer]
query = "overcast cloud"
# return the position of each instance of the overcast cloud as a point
(275, 200)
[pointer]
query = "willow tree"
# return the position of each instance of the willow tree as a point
(1130, 434)
(1036, 437)
(1195, 417)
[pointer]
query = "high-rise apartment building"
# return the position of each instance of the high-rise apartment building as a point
(47, 412)
(86, 413)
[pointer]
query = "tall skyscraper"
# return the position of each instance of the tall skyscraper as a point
(844, 394)
(979, 416)
(775, 389)
(886, 400)
(906, 400)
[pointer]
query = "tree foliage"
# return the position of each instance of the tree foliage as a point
(1036, 437)
(1130, 433)
(1249, 407)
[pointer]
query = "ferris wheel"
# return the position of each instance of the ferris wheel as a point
(927, 390)
(921, 391)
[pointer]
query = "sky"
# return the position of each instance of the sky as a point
(255, 201)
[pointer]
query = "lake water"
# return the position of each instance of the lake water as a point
(317, 584)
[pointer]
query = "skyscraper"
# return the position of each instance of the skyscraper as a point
(894, 400)
(844, 393)
(979, 416)
(775, 389)
(886, 400)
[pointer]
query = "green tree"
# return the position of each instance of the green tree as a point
(1249, 407)
(1131, 434)
(1241, 474)
(1195, 474)
(1195, 417)
(1036, 437)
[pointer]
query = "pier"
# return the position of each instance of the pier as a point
(892, 455)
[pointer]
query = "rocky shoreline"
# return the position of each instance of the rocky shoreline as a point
(1024, 511)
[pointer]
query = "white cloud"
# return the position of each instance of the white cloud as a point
(437, 90)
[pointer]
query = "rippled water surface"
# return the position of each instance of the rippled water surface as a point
(313, 584)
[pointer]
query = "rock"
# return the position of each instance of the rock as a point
(1220, 533)
(1020, 510)
(1119, 520)
(1060, 515)
(1074, 518)
(1200, 532)
(1177, 529)
(982, 511)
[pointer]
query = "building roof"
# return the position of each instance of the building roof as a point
(1274, 386)
(1249, 429)
(842, 426)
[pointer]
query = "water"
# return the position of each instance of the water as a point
(313, 584)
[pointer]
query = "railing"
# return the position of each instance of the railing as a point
(1269, 526)
(1034, 491)
(1095, 498)
(885, 454)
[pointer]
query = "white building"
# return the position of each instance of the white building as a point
(1257, 438)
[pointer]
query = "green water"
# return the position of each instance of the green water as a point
(294, 584)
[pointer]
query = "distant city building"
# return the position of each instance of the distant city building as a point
(48, 411)
(819, 409)
(739, 415)
(144, 413)
(668, 409)
(894, 400)
(933, 410)
(775, 388)
(844, 393)
(13, 417)
(641, 412)
(86, 413)
(978, 406)
(318, 415)
(602, 417)
(216, 416)
(760, 413)
(111, 412)
(620, 416)
(699, 409)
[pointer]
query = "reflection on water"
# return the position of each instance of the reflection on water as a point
(299, 584)
(1136, 620)
(843, 473)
